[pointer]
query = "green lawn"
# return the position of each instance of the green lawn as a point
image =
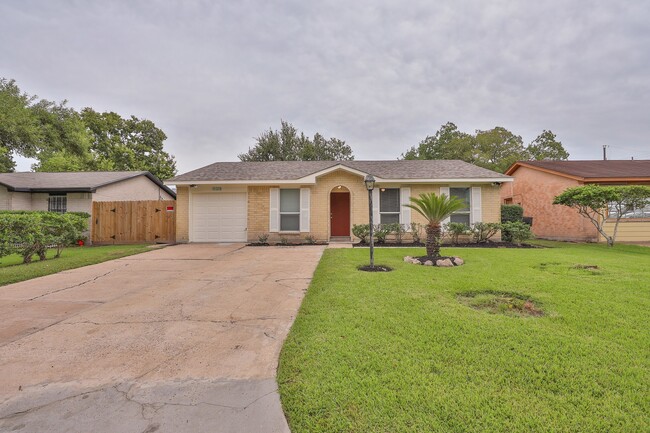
(12, 270)
(398, 352)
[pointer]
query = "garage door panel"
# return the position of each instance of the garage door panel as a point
(219, 217)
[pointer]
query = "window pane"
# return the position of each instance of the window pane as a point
(57, 203)
(462, 194)
(389, 218)
(389, 200)
(460, 218)
(289, 223)
(289, 200)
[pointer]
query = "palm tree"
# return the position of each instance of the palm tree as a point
(435, 209)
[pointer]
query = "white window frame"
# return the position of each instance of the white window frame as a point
(398, 213)
(281, 213)
(57, 203)
(467, 211)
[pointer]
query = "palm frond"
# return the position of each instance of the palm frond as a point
(435, 208)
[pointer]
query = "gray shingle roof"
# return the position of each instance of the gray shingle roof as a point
(597, 169)
(292, 170)
(81, 181)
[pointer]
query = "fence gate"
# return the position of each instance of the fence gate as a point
(124, 222)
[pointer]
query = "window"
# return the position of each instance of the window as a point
(462, 215)
(57, 203)
(289, 210)
(643, 212)
(389, 208)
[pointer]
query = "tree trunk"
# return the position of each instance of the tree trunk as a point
(433, 240)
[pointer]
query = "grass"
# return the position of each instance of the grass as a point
(399, 352)
(12, 270)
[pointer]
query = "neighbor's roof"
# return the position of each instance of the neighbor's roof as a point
(257, 172)
(81, 181)
(591, 170)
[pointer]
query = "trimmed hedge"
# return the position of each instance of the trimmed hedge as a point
(511, 212)
(34, 232)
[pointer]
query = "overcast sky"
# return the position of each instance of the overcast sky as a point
(380, 75)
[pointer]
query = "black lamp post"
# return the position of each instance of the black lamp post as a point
(370, 185)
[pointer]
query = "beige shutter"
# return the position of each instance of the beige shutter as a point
(375, 205)
(475, 205)
(445, 190)
(405, 212)
(274, 210)
(304, 209)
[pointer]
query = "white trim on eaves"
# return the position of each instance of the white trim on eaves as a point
(309, 181)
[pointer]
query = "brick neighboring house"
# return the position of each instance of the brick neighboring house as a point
(536, 183)
(239, 201)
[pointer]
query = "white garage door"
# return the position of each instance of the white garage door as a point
(219, 217)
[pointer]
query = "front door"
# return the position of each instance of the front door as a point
(340, 213)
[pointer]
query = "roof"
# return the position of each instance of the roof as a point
(80, 181)
(591, 170)
(307, 171)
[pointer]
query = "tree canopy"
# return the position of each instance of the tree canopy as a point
(288, 144)
(594, 202)
(495, 149)
(63, 139)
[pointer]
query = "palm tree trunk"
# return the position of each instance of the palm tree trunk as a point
(433, 240)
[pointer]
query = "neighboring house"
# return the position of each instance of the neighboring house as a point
(239, 201)
(76, 191)
(536, 183)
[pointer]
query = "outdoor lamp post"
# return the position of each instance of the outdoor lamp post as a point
(370, 185)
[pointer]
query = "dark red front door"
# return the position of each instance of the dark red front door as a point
(340, 213)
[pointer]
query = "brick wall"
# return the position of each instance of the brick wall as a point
(258, 211)
(535, 190)
(182, 214)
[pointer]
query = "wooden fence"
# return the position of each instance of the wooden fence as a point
(124, 222)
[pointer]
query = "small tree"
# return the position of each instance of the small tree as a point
(594, 201)
(435, 209)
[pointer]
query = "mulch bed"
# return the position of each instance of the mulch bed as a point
(279, 244)
(376, 268)
(464, 245)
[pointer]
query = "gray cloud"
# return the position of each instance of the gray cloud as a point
(380, 75)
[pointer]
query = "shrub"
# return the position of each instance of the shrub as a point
(263, 238)
(28, 233)
(511, 212)
(284, 241)
(381, 231)
(396, 229)
(310, 240)
(517, 231)
(416, 232)
(361, 231)
(455, 230)
(482, 232)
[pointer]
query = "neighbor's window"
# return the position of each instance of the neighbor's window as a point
(57, 203)
(389, 205)
(643, 212)
(462, 215)
(289, 210)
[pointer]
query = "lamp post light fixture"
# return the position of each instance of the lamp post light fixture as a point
(370, 185)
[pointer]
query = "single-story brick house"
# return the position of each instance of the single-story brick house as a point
(239, 201)
(76, 191)
(536, 183)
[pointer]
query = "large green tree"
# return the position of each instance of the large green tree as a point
(31, 127)
(288, 144)
(495, 148)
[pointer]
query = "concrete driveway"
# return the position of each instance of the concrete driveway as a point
(180, 339)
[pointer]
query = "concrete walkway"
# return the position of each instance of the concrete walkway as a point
(181, 339)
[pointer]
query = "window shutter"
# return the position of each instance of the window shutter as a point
(445, 190)
(405, 212)
(475, 205)
(375, 205)
(274, 210)
(304, 209)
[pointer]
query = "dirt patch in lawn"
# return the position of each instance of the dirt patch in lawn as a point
(506, 303)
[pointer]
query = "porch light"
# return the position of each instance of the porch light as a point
(370, 182)
(370, 185)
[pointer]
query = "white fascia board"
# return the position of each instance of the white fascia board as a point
(462, 180)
